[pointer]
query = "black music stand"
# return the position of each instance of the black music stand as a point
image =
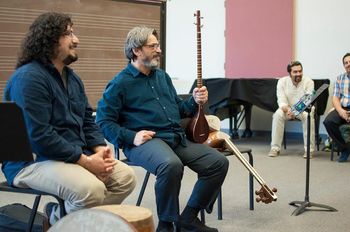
(303, 205)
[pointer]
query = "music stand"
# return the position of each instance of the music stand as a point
(13, 134)
(303, 205)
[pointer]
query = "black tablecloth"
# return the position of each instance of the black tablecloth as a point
(225, 93)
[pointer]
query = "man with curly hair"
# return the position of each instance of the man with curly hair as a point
(72, 159)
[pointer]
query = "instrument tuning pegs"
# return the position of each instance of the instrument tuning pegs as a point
(265, 196)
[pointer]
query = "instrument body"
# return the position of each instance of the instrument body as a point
(221, 140)
(198, 128)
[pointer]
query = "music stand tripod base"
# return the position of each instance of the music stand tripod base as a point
(303, 205)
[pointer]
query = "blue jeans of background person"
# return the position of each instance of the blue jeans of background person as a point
(167, 164)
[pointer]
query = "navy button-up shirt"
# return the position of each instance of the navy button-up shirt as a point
(58, 119)
(133, 101)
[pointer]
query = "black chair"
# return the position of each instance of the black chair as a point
(317, 134)
(334, 148)
(5, 188)
(145, 179)
(247, 151)
(320, 107)
(226, 153)
(16, 147)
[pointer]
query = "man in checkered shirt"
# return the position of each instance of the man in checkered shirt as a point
(341, 114)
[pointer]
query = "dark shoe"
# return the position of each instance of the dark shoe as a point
(343, 156)
(247, 133)
(48, 208)
(196, 226)
(165, 227)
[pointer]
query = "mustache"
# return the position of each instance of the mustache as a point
(73, 46)
(158, 55)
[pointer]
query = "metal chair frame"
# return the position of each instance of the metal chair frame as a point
(4, 187)
(247, 151)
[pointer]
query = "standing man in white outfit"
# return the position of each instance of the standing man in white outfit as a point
(289, 90)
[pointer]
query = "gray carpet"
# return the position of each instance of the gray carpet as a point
(329, 184)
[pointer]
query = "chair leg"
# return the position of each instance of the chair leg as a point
(284, 140)
(251, 193)
(203, 215)
(143, 188)
(251, 183)
(62, 208)
(219, 201)
(332, 151)
(33, 213)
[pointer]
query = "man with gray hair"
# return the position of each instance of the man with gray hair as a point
(140, 112)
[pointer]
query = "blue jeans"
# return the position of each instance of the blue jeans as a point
(167, 164)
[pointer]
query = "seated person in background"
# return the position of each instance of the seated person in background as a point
(345, 132)
(289, 90)
(341, 114)
(141, 112)
(72, 160)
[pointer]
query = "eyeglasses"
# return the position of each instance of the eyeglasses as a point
(152, 46)
(68, 33)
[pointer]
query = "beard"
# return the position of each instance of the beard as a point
(297, 78)
(70, 59)
(151, 63)
(347, 69)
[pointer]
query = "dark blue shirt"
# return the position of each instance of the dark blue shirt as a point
(58, 119)
(133, 101)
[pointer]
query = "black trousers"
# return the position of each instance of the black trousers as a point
(332, 123)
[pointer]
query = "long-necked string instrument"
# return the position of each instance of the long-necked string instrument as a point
(222, 140)
(198, 128)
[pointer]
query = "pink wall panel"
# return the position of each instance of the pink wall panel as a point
(259, 38)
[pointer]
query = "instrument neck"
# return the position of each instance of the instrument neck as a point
(199, 52)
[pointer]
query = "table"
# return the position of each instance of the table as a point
(226, 96)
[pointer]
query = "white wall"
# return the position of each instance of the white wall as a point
(321, 35)
(181, 60)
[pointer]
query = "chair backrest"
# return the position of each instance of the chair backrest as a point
(13, 136)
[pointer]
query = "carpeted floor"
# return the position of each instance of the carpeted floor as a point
(329, 185)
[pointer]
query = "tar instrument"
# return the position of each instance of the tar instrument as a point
(221, 140)
(198, 128)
